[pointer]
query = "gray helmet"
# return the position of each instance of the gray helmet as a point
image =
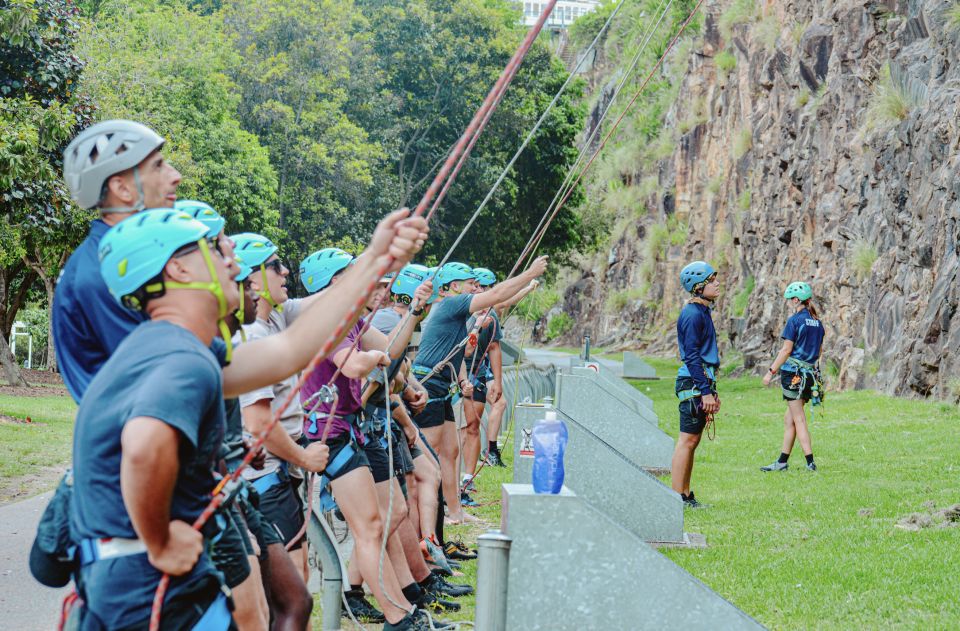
(102, 150)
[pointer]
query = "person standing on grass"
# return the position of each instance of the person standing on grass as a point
(799, 376)
(696, 380)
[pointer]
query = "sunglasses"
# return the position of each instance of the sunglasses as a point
(212, 242)
(276, 265)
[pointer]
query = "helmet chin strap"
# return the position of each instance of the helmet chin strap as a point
(138, 205)
(215, 288)
(265, 292)
(243, 334)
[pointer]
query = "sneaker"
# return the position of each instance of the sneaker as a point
(812, 466)
(689, 501)
(466, 500)
(430, 622)
(433, 600)
(776, 466)
(411, 622)
(362, 610)
(437, 583)
(432, 553)
(459, 551)
(494, 459)
(466, 484)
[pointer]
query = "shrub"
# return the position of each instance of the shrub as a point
(742, 143)
(739, 12)
(952, 16)
(559, 325)
(802, 98)
(890, 103)
(537, 304)
(745, 198)
(767, 31)
(726, 62)
(619, 300)
(742, 299)
(864, 256)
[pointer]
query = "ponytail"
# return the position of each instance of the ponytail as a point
(808, 303)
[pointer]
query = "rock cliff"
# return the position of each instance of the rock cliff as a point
(815, 141)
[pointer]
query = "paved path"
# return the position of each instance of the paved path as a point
(25, 604)
(545, 357)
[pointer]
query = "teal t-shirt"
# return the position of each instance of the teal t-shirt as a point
(441, 332)
(164, 372)
(806, 333)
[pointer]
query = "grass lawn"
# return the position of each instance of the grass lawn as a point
(32, 454)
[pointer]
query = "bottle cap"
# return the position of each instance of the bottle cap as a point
(551, 415)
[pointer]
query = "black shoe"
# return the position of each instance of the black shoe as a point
(494, 459)
(776, 466)
(362, 610)
(689, 501)
(439, 584)
(434, 601)
(466, 500)
(811, 466)
(432, 622)
(410, 622)
(458, 550)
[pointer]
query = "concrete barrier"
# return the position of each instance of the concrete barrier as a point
(636, 400)
(584, 399)
(615, 384)
(635, 368)
(573, 568)
(605, 479)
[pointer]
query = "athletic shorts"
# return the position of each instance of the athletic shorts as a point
(228, 550)
(262, 529)
(402, 457)
(283, 509)
(378, 459)
(793, 387)
(359, 458)
(479, 390)
(692, 417)
(437, 411)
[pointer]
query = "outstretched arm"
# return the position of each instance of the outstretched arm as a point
(517, 297)
(506, 290)
(271, 359)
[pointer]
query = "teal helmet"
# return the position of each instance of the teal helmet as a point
(134, 252)
(695, 274)
(452, 272)
(798, 290)
(245, 271)
(202, 212)
(407, 281)
(318, 269)
(484, 276)
(432, 275)
(252, 249)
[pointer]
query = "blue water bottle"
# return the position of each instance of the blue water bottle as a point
(549, 443)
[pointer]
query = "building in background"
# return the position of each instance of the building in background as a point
(563, 14)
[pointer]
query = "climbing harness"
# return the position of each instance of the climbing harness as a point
(809, 374)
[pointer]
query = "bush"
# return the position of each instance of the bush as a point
(742, 143)
(890, 103)
(952, 16)
(864, 256)
(726, 62)
(739, 12)
(742, 299)
(559, 325)
(745, 198)
(537, 304)
(767, 31)
(618, 301)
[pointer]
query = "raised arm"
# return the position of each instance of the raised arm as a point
(271, 359)
(506, 290)
(517, 297)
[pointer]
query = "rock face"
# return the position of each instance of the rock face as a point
(829, 157)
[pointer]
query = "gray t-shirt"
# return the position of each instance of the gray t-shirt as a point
(292, 419)
(386, 320)
(444, 328)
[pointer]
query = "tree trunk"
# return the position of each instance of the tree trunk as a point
(10, 367)
(49, 286)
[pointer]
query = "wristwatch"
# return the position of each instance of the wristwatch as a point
(417, 312)
(772, 371)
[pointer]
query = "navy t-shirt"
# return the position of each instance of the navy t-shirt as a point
(485, 336)
(164, 372)
(445, 327)
(697, 340)
(806, 333)
(88, 323)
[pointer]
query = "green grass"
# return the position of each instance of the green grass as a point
(742, 143)
(536, 304)
(798, 550)
(742, 299)
(29, 451)
(559, 325)
(739, 12)
(864, 256)
(889, 104)
(726, 62)
(952, 16)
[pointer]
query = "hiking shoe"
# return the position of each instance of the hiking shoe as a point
(812, 466)
(362, 610)
(494, 459)
(466, 500)
(433, 600)
(432, 553)
(413, 621)
(437, 583)
(430, 622)
(776, 466)
(689, 501)
(459, 551)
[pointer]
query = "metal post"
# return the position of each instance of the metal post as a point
(493, 565)
(586, 347)
(321, 544)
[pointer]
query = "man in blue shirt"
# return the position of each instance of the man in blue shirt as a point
(116, 166)
(696, 385)
(440, 361)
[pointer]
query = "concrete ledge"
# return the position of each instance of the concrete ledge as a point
(614, 383)
(635, 368)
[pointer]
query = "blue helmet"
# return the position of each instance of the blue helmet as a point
(252, 249)
(202, 212)
(318, 269)
(135, 251)
(245, 271)
(452, 272)
(694, 274)
(407, 281)
(799, 290)
(484, 276)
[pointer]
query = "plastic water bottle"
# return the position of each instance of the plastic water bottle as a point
(549, 443)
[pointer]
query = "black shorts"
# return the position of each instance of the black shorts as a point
(283, 509)
(692, 417)
(402, 456)
(264, 531)
(439, 409)
(479, 390)
(230, 548)
(795, 387)
(357, 460)
(378, 459)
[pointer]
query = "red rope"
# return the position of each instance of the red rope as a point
(449, 170)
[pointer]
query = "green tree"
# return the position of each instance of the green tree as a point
(170, 68)
(39, 112)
